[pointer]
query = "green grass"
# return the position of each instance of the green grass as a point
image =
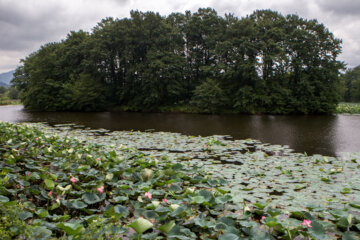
(351, 108)
(10, 101)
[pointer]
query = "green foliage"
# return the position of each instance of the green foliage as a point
(111, 198)
(208, 97)
(350, 85)
(10, 225)
(262, 63)
(352, 108)
(2, 90)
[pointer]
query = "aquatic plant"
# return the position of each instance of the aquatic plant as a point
(113, 199)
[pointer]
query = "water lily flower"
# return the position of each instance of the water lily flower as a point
(149, 195)
(50, 193)
(29, 173)
(36, 139)
(263, 218)
(98, 159)
(100, 189)
(205, 146)
(73, 180)
(174, 206)
(306, 223)
(165, 200)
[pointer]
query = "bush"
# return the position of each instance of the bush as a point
(209, 97)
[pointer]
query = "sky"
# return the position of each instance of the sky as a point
(25, 25)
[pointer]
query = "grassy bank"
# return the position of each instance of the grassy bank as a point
(351, 108)
(67, 182)
(9, 101)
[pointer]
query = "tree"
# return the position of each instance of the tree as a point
(209, 97)
(351, 85)
(262, 63)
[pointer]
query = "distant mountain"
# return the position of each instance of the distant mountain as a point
(5, 78)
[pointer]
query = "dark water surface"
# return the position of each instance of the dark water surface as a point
(325, 135)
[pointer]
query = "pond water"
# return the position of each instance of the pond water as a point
(327, 135)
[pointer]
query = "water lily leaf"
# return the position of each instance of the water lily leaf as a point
(222, 191)
(229, 236)
(49, 184)
(317, 230)
(198, 199)
(175, 188)
(346, 191)
(227, 220)
(355, 204)
(140, 225)
(59, 218)
(77, 204)
(71, 228)
(162, 209)
(220, 226)
(338, 213)
(91, 198)
(261, 205)
(117, 211)
(350, 236)
(42, 213)
(343, 223)
(177, 167)
(206, 194)
(40, 233)
(4, 199)
(109, 176)
(25, 215)
(120, 198)
(54, 206)
(203, 223)
(167, 227)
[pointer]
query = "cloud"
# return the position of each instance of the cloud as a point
(343, 7)
(25, 25)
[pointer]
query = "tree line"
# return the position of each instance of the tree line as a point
(262, 63)
(350, 85)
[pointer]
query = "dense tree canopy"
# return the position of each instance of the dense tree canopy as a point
(262, 63)
(350, 85)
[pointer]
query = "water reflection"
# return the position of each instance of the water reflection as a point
(312, 134)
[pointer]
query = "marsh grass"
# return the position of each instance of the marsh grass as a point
(351, 108)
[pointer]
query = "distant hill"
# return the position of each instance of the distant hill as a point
(5, 78)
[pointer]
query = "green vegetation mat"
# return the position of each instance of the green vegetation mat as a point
(352, 108)
(68, 182)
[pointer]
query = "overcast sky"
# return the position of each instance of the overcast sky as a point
(25, 25)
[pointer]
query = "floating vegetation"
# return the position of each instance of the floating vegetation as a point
(68, 182)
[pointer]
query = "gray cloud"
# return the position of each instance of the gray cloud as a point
(343, 7)
(25, 25)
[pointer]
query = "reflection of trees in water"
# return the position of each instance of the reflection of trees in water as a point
(312, 134)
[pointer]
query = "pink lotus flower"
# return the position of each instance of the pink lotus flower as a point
(43, 145)
(50, 193)
(100, 189)
(73, 180)
(98, 159)
(149, 195)
(306, 223)
(36, 139)
(165, 200)
(205, 146)
(29, 173)
(263, 218)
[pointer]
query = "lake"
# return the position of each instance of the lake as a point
(323, 134)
